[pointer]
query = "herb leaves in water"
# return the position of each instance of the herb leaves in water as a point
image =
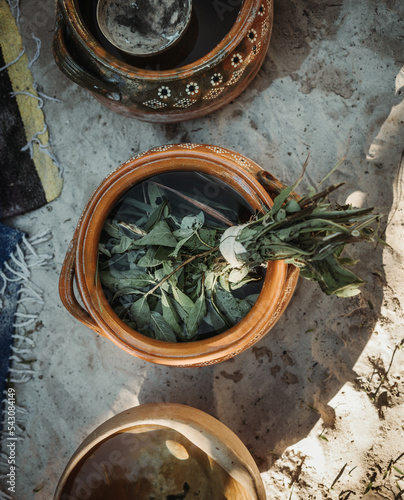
(171, 277)
(163, 273)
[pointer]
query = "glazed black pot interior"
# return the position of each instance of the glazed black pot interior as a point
(210, 22)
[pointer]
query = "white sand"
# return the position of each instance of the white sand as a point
(331, 84)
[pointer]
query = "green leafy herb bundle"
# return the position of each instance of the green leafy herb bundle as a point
(174, 278)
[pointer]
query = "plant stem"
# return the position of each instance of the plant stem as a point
(303, 202)
(133, 228)
(209, 210)
(200, 255)
(387, 372)
(338, 476)
(201, 240)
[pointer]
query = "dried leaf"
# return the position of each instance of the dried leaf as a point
(155, 194)
(155, 216)
(149, 259)
(179, 245)
(332, 277)
(103, 249)
(161, 328)
(112, 229)
(214, 318)
(126, 291)
(280, 199)
(162, 253)
(292, 206)
(160, 235)
(232, 308)
(238, 274)
(132, 228)
(183, 300)
(224, 282)
(140, 312)
(203, 240)
(170, 314)
(189, 224)
(196, 315)
(123, 246)
(134, 279)
(210, 280)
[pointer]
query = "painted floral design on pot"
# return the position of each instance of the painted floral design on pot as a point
(81, 263)
(179, 93)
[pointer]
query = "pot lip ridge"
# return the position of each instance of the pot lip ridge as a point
(221, 50)
(89, 229)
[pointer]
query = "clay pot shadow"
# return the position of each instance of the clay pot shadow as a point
(297, 23)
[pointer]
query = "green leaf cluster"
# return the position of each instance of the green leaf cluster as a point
(164, 274)
(311, 234)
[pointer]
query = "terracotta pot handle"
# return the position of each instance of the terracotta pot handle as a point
(73, 70)
(66, 290)
(272, 185)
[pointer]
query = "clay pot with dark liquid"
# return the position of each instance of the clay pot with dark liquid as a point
(80, 267)
(217, 57)
(161, 450)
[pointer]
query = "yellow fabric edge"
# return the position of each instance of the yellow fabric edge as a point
(32, 116)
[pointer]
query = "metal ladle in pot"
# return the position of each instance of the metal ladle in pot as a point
(143, 27)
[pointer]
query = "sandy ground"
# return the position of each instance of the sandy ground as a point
(319, 402)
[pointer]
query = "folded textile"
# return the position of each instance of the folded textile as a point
(9, 239)
(29, 173)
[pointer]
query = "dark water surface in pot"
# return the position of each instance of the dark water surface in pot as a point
(134, 208)
(211, 20)
(204, 188)
(155, 464)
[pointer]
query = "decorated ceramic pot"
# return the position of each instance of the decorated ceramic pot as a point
(218, 56)
(161, 450)
(237, 172)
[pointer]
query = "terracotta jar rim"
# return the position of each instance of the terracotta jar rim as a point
(199, 427)
(252, 326)
(222, 49)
